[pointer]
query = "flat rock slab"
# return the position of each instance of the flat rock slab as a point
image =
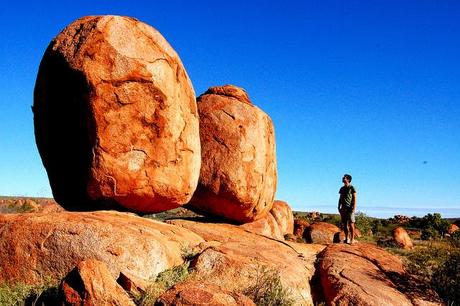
(34, 246)
(232, 258)
(364, 274)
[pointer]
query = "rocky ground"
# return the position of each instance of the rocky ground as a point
(109, 256)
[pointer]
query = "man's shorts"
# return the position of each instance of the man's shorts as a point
(347, 216)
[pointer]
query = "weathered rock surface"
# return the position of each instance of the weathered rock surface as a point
(232, 256)
(322, 232)
(91, 283)
(363, 274)
(277, 223)
(115, 117)
(198, 293)
(34, 246)
(299, 227)
(238, 173)
(402, 238)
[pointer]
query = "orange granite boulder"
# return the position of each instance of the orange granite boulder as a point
(238, 173)
(115, 116)
(401, 237)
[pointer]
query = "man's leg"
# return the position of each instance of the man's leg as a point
(344, 223)
(352, 232)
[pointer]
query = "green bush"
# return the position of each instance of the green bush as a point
(455, 239)
(164, 281)
(23, 294)
(439, 266)
(446, 279)
(333, 219)
(267, 289)
(363, 222)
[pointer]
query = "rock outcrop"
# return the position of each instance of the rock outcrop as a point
(363, 274)
(322, 232)
(36, 246)
(231, 257)
(115, 116)
(299, 227)
(401, 238)
(276, 224)
(91, 283)
(452, 228)
(238, 173)
(198, 293)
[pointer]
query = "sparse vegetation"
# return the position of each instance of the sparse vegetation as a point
(164, 281)
(24, 294)
(267, 289)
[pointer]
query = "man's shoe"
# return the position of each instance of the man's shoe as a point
(346, 241)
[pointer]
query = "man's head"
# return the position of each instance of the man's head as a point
(346, 179)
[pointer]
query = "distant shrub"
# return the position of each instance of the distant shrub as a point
(446, 279)
(333, 219)
(267, 289)
(455, 239)
(433, 226)
(363, 222)
(438, 265)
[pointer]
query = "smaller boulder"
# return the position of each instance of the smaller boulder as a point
(299, 227)
(452, 228)
(322, 233)
(198, 293)
(402, 238)
(91, 283)
(277, 223)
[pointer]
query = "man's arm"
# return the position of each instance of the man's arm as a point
(353, 201)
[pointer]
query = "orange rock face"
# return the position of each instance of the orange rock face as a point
(299, 227)
(115, 116)
(238, 174)
(35, 246)
(231, 257)
(452, 228)
(363, 274)
(198, 293)
(276, 224)
(402, 238)
(91, 283)
(322, 232)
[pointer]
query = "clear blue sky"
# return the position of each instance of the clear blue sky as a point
(370, 88)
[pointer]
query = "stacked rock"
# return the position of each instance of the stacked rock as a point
(117, 126)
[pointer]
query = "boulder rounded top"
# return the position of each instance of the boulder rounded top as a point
(231, 91)
(115, 116)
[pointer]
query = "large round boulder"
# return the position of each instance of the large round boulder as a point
(238, 173)
(115, 117)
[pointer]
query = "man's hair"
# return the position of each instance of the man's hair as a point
(348, 176)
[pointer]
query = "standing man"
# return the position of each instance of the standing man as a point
(347, 207)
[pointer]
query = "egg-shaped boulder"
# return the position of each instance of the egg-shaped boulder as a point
(238, 173)
(115, 116)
